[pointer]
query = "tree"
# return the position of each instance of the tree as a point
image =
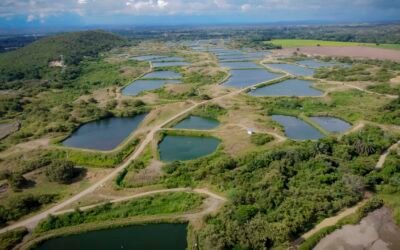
(16, 181)
(61, 171)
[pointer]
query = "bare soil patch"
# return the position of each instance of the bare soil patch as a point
(8, 128)
(377, 231)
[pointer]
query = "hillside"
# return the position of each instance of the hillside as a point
(31, 62)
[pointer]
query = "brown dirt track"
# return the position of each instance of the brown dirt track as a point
(354, 51)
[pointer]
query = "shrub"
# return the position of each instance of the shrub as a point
(61, 171)
(260, 139)
(10, 239)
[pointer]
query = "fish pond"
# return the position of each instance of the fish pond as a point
(139, 86)
(147, 57)
(182, 148)
(197, 122)
(292, 69)
(319, 64)
(169, 64)
(104, 134)
(296, 128)
(240, 65)
(293, 87)
(137, 237)
(331, 124)
(248, 77)
(167, 74)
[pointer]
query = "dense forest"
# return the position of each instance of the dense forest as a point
(32, 61)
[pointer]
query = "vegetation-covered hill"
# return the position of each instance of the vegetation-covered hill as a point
(32, 61)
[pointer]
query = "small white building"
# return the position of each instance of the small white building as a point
(250, 131)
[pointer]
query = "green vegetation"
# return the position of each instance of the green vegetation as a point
(261, 139)
(16, 181)
(385, 88)
(369, 70)
(32, 61)
(10, 239)
(154, 205)
(22, 205)
(283, 192)
(62, 171)
(210, 110)
(293, 43)
(96, 159)
(371, 205)
(391, 112)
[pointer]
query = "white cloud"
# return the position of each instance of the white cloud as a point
(41, 9)
(82, 2)
(162, 4)
(245, 7)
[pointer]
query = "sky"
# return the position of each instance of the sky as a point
(16, 14)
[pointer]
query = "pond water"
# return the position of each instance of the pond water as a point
(296, 128)
(292, 69)
(147, 57)
(245, 78)
(197, 122)
(331, 124)
(168, 74)
(169, 59)
(104, 134)
(169, 64)
(136, 237)
(139, 86)
(240, 65)
(293, 87)
(182, 148)
(316, 64)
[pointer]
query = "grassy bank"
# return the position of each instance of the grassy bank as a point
(159, 204)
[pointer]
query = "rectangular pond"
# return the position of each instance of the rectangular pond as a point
(182, 148)
(293, 87)
(104, 134)
(197, 122)
(319, 64)
(147, 57)
(137, 237)
(296, 128)
(248, 77)
(292, 69)
(139, 86)
(169, 59)
(167, 74)
(331, 124)
(240, 65)
(169, 64)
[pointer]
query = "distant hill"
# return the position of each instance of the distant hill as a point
(32, 61)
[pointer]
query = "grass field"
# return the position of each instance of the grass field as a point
(291, 43)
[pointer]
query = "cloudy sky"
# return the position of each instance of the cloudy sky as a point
(28, 13)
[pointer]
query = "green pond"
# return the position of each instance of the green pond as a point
(183, 148)
(197, 122)
(137, 237)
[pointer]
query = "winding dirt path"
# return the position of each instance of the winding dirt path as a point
(210, 194)
(385, 154)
